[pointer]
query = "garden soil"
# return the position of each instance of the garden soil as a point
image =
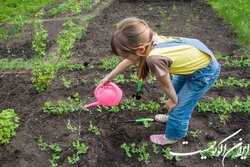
(192, 18)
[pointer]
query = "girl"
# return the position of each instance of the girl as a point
(194, 67)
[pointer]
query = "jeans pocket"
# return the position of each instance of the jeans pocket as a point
(197, 83)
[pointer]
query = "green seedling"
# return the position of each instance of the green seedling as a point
(155, 148)
(120, 79)
(75, 67)
(71, 128)
(94, 129)
(73, 159)
(196, 133)
(168, 156)
(109, 63)
(66, 82)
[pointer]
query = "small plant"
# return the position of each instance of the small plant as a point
(75, 67)
(114, 109)
(94, 129)
(168, 156)
(109, 63)
(66, 82)
(120, 79)
(153, 106)
(72, 104)
(80, 148)
(155, 148)
(134, 77)
(141, 151)
(53, 147)
(196, 133)
(9, 121)
(126, 149)
(84, 82)
(73, 159)
(71, 128)
(147, 124)
(128, 104)
(151, 79)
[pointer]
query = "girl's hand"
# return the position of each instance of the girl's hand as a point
(103, 81)
(170, 105)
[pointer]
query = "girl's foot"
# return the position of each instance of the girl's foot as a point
(161, 139)
(162, 118)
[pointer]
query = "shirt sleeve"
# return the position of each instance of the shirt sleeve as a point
(159, 65)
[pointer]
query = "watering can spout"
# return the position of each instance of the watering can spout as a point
(91, 104)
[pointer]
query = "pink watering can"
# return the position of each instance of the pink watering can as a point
(108, 95)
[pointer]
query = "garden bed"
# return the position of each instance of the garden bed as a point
(192, 18)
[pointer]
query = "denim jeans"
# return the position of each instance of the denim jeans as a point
(189, 89)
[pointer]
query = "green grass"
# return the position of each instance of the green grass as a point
(13, 9)
(236, 13)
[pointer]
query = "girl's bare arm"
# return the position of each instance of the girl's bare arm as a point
(168, 88)
(119, 69)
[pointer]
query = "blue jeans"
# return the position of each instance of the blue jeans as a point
(189, 89)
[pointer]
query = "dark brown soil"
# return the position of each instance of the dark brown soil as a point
(193, 18)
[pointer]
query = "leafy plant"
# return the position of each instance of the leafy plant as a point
(134, 77)
(155, 148)
(141, 151)
(128, 104)
(72, 104)
(66, 82)
(151, 79)
(53, 147)
(94, 129)
(153, 106)
(9, 121)
(109, 63)
(120, 79)
(168, 156)
(75, 67)
(196, 133)
(71, 128)
(42, 76)
(81, 148)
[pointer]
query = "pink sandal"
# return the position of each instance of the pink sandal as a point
(162, 118)
(161, 139)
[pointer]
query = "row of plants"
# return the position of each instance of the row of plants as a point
(73, 7)
(223, 107)
(213, 150)
(231, 82)
(72, 104)
(143, 152)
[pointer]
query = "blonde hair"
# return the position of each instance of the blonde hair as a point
(132, 33)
